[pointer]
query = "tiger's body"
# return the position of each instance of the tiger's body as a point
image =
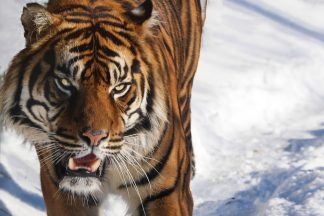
(103, 91)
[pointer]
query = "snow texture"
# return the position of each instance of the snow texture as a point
(258, 113)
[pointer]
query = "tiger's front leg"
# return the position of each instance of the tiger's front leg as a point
(60, 204)
(178, 203)
(169, 192)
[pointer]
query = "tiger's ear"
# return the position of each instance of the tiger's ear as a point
(142, 13)
(37, 21)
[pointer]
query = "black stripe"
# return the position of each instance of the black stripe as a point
(133, 50)
(182, 99)
(104, 75)
(75, 71)
(105, 34)
(121, 78)
(87, 34)
(65, 144)
(114, 24)
(33, 78)
(82, 48)
(127, 37)
(140, 113)
(116, 140)
(31, 124)
(75, 20)
(189, 71)
(77, 33)
(142, 86)
(72, 7)
(63, 68)
(83, 14)
(62, 132)
(136, 65)
(113, 147)
(57, 114)
(167, 47)
(186, 112)
(188, 171)
(126, 69)
(115, 74)
(102, 8)
(31, 102)
(188, 30)
(161, 194)
(47, 93)
(77, 58)
(132, 100)
(154, 172)
(104, 15)
(94, 15)
(150, 95)
(108, 52)
(142, 124)
(86, 67)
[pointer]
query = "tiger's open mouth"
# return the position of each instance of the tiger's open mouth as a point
(86, 166)
(89, 163)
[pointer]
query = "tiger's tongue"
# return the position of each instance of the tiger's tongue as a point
(89, 162)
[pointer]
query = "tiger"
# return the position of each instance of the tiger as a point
(102, 90)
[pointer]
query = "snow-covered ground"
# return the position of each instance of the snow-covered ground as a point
(258, 112)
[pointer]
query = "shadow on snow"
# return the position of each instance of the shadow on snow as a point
(294, 185)
(3, 209)
(280, 19)
(9, 185)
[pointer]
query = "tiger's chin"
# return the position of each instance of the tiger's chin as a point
(81, 176)
(81, 186)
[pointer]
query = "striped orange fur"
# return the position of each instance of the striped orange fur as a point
(103, 91)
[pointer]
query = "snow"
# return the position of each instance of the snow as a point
(258, 113)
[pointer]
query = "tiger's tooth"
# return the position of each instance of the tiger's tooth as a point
(95, 165)
(72, 165)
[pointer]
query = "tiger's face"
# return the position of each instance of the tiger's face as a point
(85, 91)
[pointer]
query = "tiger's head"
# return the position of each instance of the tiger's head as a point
(86, 90)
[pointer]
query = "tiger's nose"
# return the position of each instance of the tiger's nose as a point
(94, 137)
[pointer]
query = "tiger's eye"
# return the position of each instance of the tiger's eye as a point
(120, 87)
(65, 82)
